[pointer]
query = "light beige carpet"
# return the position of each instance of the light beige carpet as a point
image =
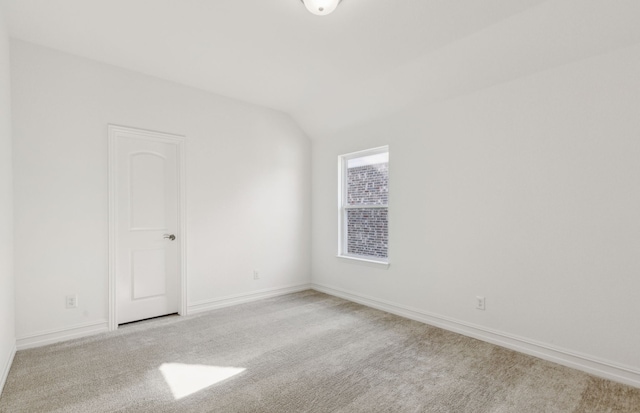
(304, 352)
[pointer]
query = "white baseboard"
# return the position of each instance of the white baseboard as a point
(589, 364)
(215, 303)
(62, 334)
(7, 367)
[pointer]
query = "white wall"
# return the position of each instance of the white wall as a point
(248, 196)
(7, 331)
(527, 193)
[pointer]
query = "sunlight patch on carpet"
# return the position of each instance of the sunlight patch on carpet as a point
(186, 379)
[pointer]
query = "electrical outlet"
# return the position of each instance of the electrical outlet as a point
(72, 301)
(480, 303)
(256, 275)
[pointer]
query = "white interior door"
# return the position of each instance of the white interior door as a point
(147, 253)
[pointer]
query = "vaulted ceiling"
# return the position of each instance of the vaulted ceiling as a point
(367, 59)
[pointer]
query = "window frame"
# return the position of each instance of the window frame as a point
(343, 208)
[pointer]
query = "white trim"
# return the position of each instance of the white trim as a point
(182, 213)
(231, 300)
(112, 297)
(365, 152)
(62, 334)
(373, 263)
(115, 131)
(7, 367)
(584, 362)
(364, 206)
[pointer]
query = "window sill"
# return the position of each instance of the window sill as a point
(370, 263)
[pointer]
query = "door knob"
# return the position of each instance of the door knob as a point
(169, 236)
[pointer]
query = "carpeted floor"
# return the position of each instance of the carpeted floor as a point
(304, 352)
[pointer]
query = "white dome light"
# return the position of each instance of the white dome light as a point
(321, 7)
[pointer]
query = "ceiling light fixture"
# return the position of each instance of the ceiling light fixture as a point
(321, 7)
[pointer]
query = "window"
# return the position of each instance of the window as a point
(363, 203)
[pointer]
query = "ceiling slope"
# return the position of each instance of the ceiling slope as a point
(367, 59)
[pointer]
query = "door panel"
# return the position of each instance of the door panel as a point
(147, 261)
(148, 273)
(148, 188)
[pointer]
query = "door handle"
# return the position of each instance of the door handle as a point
(169, 236)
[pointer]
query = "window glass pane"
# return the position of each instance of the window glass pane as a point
(367, 180)
(367, 232)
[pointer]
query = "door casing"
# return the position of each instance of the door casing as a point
(115, 132)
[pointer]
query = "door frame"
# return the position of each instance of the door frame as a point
(116, 132)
